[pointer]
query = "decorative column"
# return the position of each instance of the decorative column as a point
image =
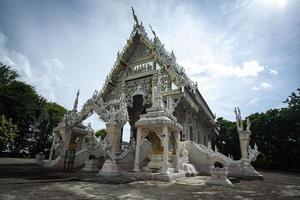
(244, 137)
(114, 136)
(177, 139)
(165, 167)
(137, 150)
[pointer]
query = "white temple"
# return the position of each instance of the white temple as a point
(171, 124)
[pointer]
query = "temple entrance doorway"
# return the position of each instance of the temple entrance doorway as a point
(134, 113)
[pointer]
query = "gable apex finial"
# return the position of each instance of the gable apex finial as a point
(134, 16)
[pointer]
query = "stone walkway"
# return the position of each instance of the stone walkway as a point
(26, 180)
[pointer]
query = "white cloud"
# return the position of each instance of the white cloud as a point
(50, 81)
(56, 63)
(248, 69)
(47, 79)
(253, 101)
(273, 72)
(262, 86)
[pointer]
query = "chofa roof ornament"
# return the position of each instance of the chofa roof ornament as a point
(134, 16)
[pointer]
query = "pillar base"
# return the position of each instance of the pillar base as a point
(109, 168)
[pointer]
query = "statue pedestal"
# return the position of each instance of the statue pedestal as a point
(109, 168)
(218, 176)
(156, 161)
(91, 165)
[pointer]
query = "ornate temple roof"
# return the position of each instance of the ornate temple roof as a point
(166, 59)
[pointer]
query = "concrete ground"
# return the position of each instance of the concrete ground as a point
(23, 179)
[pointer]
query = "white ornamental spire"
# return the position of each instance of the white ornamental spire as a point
(76, 102)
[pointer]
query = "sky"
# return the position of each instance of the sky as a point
(242, 53)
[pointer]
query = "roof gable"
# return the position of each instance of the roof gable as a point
(148, 47)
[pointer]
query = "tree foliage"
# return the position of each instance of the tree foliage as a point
(227, 141)
(51, 115)
(101, 133)
(33, 115)
(8, 132)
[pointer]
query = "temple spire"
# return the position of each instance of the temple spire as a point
(158, 99)
(134, 16)
(76, 102)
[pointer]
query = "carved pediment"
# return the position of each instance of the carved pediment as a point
(139, 52)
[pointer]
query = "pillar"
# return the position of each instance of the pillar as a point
(166, 150)
(66, 134)
(137, 150)
(177, 140)
(114, 135)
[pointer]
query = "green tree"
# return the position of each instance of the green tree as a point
(8, 132)
(293, 101)
(7, 75)
(101, 133)
(20, 102)
(51, 115)
(33, 115)
(227, 141)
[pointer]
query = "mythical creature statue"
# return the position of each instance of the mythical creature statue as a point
(91, 139)
(253, 153)
(184, 152)
(106, 146)
(106, 110)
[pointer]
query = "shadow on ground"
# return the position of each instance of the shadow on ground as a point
(30, 181)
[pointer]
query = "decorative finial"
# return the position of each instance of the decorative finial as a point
(173, 56)
(76, 102)
(134, 16)
(152, 31)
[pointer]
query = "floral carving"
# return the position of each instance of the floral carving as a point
(143, 85)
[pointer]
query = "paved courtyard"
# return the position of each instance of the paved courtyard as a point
(23, 179)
